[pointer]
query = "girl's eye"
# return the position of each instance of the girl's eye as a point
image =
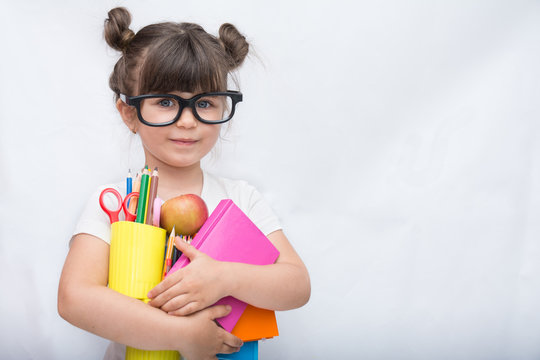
(203, 104)
(166, 102)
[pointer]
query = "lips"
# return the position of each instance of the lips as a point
(184, 141)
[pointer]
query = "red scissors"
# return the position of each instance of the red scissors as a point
(113, 214)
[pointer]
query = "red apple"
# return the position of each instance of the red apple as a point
(187, 213)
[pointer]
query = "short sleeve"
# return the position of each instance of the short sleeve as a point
(94, 220)
(259, 211)
(245, 196)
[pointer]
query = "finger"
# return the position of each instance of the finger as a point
(168, 295)
(219, 311)
(164, 285)
(177, 302)
(159, 288)
(185, 248)
(188, 309)
(226, 349)
(232, 341)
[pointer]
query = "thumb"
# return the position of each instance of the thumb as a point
(219, 311)
(185, 248)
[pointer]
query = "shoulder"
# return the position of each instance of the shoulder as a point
(224, 182)
(96, 193)
(240, 191)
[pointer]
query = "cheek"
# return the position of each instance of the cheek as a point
(152, 137)
(212, 133)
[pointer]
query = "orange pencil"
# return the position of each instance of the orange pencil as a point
(136, 188)
(168, 254)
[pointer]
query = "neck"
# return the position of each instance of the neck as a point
(175, 181)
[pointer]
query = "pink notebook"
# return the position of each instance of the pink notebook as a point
(229, 235)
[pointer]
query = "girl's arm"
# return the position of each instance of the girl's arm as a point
(85, 301)
(281, 286)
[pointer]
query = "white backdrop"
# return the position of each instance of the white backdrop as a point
(397, 140)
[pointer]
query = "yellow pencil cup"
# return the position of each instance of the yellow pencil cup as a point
(136, 258)
(135, 267)
(136, 354)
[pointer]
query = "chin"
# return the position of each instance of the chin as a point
(184, 163)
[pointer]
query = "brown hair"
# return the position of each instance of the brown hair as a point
(169, 56)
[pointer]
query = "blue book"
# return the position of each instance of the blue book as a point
(249, 351)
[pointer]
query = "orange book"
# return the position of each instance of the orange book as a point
(256, 324)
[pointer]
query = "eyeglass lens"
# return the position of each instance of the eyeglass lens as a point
(160, 110)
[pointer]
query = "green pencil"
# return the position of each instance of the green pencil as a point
(143, 193)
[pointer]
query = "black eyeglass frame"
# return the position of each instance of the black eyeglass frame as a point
(236, 97)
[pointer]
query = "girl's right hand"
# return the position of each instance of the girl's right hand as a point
(205, 338)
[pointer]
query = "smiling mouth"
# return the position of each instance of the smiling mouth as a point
(184, 141)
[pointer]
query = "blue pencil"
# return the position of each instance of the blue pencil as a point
(129, 183)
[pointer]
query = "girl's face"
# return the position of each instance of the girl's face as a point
(179, 145)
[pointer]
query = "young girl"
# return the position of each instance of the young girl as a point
(177, 130)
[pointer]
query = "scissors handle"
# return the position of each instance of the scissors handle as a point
(129, 215)
(113, 214)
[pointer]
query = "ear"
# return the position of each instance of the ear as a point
(128, 114)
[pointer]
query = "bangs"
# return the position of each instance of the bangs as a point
(181, 63)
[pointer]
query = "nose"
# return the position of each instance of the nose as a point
(187, 119)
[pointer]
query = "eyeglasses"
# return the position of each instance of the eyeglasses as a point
(165, 109)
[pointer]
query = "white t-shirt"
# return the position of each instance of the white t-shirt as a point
(95, 221)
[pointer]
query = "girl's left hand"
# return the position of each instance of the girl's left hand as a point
(192, 288)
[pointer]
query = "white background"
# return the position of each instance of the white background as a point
(397, 140)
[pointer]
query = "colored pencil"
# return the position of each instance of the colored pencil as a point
(152, 193)
(143, 194)
(146, 200)
(129, 182)
(157, 212)
(168, 254)
(176, 255)
(136, 188)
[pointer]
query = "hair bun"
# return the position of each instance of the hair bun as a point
(235, 44)
(117, 32)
